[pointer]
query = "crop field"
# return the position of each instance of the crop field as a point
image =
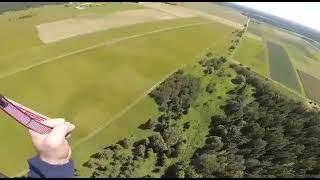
(58, 30)
(311, 86)
(253, 53)
(303, 55)
(93, 80)
(188, 11)
(199, 118)
(281, 68)
(217, 10)
(12, 25)
(299, 46)
(255, 28)
(99, 77)
(31, 56)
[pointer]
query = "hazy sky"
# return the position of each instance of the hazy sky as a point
(306, 13)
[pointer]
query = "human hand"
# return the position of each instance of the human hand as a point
(53, 148)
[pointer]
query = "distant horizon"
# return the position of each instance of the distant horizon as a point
(304, 13)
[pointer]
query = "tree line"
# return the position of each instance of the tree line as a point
(261, 132)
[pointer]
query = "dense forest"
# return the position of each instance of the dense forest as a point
(246, 128)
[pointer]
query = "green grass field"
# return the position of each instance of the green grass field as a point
(303, 55)
(311, 86)
(91, 87)
(198, 116)
(299, 46)
(254, 54)
(98, 81)
(42, 53)
(12, 27)
(255, 28)
(281, 68)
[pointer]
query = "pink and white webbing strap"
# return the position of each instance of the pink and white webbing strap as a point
(25, 116)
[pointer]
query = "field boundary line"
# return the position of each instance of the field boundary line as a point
(241, 39)
(117, 115)
(107, 43)
(294, 65)
(126, 109)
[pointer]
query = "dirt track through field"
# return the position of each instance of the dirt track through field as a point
(98, 45)
(127, 108)
(123, 111)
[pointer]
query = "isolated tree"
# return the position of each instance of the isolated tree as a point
(232, 47)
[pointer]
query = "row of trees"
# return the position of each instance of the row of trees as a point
(262, 133)
(235, 42)
(174, 97)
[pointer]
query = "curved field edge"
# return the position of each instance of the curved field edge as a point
(87, 93)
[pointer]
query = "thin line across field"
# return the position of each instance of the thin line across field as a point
(99, 45)
(127, 108)
(123, 111)
(115, 117)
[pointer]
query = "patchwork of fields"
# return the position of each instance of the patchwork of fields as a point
(12, 25)
(287, 54)
(98, 78)
(93, 80)
(281, 68)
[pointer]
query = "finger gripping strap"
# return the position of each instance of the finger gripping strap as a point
(24, 116)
